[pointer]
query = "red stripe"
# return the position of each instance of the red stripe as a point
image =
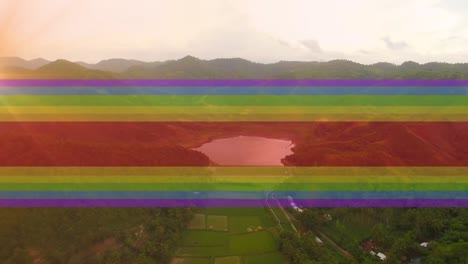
(168, 144)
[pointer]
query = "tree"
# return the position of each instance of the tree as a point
(381, 234)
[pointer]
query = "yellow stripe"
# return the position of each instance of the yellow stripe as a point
(233, 174)
(233, 170)
(235, 179)
(436, 117)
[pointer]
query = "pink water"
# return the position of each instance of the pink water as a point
(246, 150)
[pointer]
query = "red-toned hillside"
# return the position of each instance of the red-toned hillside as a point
(169, 144)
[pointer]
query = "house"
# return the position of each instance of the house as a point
(381, 256)
(297, 209)
(424, 244)
(318, 240)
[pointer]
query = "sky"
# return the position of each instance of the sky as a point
(365, 31)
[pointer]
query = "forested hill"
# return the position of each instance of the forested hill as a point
(193, 68)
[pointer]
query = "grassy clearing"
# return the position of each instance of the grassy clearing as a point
(202, 251)
(228, 260)
(199, 238)
(349, 231)
(262, 213)
(232, 246)
(191, 261)
(287, 227)
(252, 243)
(217, 222)
(271, 258)
(235, 211)
(198, 222)
(239, 224)
(352, 225)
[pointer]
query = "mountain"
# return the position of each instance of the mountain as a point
(112, 65)
(59, 69)
(190, 67)
(226, 68)
(236, 68)
(65, 69)
(187, 67)
(118, 65)
(21, 63)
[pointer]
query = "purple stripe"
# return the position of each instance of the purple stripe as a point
(233, 203)
(50, 83)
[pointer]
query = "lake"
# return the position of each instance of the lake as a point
(247, 151)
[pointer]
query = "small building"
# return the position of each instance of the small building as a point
(381, 256)
(318, 240)
(297, 209)
(424, 244)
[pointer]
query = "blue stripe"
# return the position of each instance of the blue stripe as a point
(237, 90)
(237, 82)
(233, 195)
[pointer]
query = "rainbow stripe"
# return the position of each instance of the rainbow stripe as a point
(89, 142)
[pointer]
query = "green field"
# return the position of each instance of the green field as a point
(236, 211)
(198, 222)
(191, 261)
(240, 224)
(201, 251)
(349, 231)
(271, 258)
(238, 245)
(280, 214)
(250, 243)
(217, 222)
(228, 260)
(199, 238)
(356, 229)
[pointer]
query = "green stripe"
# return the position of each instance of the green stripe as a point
(251, 110)
(233, 187)
(233, 100)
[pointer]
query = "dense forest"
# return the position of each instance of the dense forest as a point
(401, 233)
(90, 235)
(304, 249)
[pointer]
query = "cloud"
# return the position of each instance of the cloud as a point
(394, 45)
(283, 42)
(312, 45)
(243, 41)
(259, 30)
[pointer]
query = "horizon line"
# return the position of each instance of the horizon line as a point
(228, 58)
